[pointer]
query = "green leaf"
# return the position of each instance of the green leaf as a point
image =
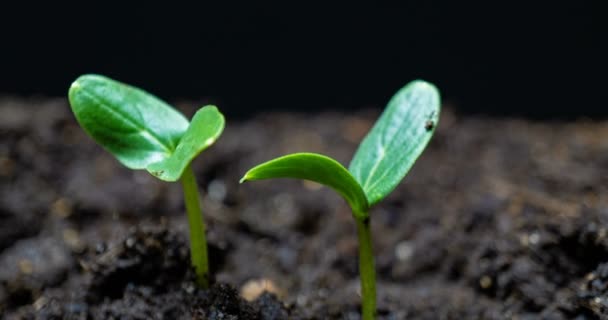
(206, 127)
(397, 139)
(317, 168)
(133, 125)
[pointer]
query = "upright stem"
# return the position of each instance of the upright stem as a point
(198, 241)
(367, 271)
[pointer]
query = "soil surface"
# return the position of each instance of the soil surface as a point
(499, 219)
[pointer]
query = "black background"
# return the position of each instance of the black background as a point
(530, 58)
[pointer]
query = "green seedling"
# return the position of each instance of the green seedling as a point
(144, 132)
(384, 157)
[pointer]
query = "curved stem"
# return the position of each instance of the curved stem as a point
(198, 241)
(367, 271)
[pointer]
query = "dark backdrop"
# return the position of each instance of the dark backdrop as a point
(532, 58)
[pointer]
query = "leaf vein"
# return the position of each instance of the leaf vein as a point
(141, 129)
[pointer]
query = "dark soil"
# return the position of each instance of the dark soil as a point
(500, 219)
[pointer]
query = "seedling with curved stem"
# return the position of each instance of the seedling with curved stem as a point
(384, 157)
(144, 132)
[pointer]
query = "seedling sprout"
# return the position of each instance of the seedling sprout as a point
(384, 157)
(144, 132)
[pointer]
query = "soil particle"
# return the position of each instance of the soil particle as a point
(593, 291)
(32, 265)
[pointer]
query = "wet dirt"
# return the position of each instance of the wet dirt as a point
(499, 219)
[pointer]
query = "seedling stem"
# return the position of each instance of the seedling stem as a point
(198, 247)
(366, 269)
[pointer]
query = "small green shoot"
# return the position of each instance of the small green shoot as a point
(384, 157)
(144, 132)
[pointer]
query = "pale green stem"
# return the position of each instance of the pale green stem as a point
(198, 241)
(367, 271)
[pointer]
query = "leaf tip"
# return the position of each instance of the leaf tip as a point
(212, 107)
(248, 176)
(422, 83)
(75, 85)
(74, 89)
(81, 83)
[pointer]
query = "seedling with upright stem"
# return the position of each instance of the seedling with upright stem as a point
(144, 132)
(384, 157)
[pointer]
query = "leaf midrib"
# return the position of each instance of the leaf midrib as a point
(104, 104)
(374, 168)
(389, 145)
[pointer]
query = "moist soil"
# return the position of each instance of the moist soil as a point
(499, 219)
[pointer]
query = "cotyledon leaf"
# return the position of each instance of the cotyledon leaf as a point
(397, 139)
(133, 125)
(206, 127)
(317, 168)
